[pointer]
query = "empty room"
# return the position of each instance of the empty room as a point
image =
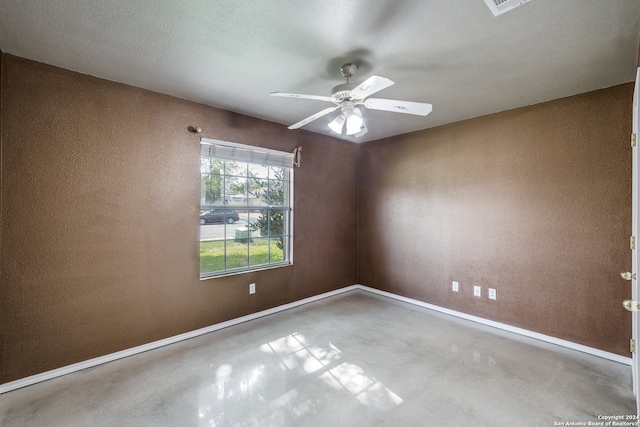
(319, 213)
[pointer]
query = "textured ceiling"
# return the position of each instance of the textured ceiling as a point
(232, 53)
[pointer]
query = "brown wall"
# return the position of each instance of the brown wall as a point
(100, 197)
(100, 204)
(535, 202)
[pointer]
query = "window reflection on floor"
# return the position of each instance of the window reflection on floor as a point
(308, 366)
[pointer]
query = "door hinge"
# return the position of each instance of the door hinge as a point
(632, 345)
(632, 243)
(633, 139)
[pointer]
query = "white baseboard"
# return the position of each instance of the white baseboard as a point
(524, 332)
(44, 376)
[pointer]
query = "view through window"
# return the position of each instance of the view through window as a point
(245, 208)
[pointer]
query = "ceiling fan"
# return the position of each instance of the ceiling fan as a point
(347, 97)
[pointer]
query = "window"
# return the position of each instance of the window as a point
(245, 208)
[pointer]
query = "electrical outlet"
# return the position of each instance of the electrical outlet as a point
(477, 291)
(252, 288)
(454, 286)
(492, 293)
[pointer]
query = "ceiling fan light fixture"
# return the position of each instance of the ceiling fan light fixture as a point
(362, 132)
(337, 124)
(355, 122)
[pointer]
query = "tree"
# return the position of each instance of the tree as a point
(213, 185)
(211, 180)
(271, 222)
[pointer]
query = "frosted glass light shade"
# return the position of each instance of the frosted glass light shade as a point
(354, 122)
(337, 123)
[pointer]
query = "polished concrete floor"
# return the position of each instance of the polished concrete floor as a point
(357, 359)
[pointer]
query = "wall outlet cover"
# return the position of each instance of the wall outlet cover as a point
(492, 293)
(477, 291)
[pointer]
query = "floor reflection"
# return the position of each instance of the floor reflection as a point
(366, 389)
(310, 364)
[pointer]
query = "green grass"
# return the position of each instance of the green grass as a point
(238, 254)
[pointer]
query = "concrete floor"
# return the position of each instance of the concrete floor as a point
(356, 359)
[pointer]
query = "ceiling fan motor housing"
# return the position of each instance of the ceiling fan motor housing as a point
(342, 92)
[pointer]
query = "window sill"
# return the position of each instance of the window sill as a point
(245, 271)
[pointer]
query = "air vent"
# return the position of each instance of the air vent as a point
(498, 7)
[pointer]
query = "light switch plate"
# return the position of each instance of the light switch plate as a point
(454, 286)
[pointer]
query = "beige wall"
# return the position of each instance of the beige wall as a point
(535, 202)
(100, 204)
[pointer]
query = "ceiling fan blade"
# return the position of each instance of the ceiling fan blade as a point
(301, 96)
(314, 117)
(406, 107)
(370, 86)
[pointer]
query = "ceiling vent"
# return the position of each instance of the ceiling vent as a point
(498, 7)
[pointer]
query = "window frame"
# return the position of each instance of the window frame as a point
(248, 155)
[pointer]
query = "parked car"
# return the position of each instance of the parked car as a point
(219, 215)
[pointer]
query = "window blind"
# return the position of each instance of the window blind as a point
(244, 153)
